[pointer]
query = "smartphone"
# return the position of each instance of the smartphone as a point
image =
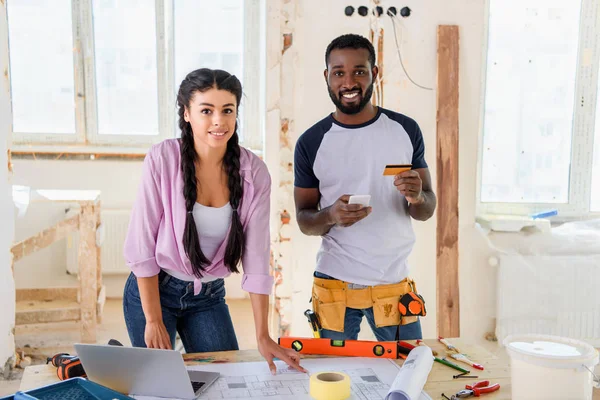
(363, 199)
(395, 169)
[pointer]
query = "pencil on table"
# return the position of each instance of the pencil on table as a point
(422, 343)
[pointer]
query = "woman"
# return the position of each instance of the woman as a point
(202, 207)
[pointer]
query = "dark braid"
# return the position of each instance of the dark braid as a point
(191, 241)
(199, 81)
(235, 243)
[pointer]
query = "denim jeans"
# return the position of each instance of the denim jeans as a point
(354, 317)
(203, 321)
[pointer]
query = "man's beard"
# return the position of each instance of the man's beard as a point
(353, 109)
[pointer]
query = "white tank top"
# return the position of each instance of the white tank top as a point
(212, 224)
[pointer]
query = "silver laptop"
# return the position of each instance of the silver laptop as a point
(141, 371)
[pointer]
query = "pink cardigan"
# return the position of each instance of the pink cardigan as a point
(154, 238)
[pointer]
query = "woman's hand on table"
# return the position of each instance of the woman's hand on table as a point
(270, 350)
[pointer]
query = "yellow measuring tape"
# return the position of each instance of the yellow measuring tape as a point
(330, 386)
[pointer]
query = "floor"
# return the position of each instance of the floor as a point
(44, 340)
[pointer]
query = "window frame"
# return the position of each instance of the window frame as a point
(86, 115)
(583, 131)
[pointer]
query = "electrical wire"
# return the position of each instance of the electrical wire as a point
(400, 57)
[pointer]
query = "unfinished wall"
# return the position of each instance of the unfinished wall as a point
(7, 284)
(297, 97)
(315, 24)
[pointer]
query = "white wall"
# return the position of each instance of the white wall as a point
(418, 47)
(7, 283)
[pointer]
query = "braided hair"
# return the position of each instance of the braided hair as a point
(202, 80)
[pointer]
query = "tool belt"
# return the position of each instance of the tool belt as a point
(331, 297)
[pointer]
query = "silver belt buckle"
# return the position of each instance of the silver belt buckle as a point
(357, 286)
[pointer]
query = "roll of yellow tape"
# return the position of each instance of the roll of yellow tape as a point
(329, 386)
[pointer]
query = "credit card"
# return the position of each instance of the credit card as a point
(395, 169)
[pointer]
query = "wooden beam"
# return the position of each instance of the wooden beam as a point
(87, 259)
(377, 98)
(100, 304)
(38, 317)
(448, 312)
(49, 294)
(36, 312)
(97, 209)
(380, 65)
(45, 238)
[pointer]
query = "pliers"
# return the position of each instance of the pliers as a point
(476, 390)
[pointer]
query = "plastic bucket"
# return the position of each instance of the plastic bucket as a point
(551, 367)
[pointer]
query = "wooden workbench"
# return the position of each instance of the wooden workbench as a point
(491, 355)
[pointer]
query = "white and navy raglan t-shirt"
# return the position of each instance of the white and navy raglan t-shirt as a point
(343, 159)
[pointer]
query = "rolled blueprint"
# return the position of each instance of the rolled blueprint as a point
(412, 377)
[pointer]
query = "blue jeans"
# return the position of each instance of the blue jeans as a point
(203, 321)
(353, 319)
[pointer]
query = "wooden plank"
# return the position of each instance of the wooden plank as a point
(98, 249)
(380, 64)
(47, 294)
(377, 97)
(101, 297)
(44, 238)
(100, 304)
(87, 258)
(448, 312)
(36, 312)
(38, 317)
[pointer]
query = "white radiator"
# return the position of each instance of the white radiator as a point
(115, 223)
(554, 295)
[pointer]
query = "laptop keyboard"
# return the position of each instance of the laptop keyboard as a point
(197, 385)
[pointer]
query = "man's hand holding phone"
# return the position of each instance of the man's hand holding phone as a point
(344, 214)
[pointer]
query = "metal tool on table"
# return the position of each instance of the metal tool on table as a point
(451, 365)
(333, 347)
(68, 366)
(476, 390)
(443, 361)
(422, 343)
(448, 345)
(456, 354)
(355, 348)
(464, 359)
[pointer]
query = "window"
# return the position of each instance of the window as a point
(595, 203)
(43, 97)
(112, 68)
(125, 67)
(541, 88)
(224, 49)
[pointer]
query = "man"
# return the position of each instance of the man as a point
(362, 263)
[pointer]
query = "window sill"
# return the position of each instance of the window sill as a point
(83, 152)
(512, 223)
(76, 152)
